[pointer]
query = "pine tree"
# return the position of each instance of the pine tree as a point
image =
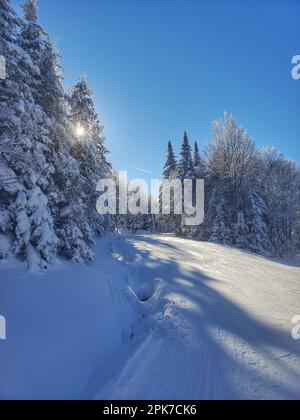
(34, 229)
(259, 241)
(198, 163)
(219, 231)
(30, 10)
(170, 172)
(67, 195)
(9, 22)
(280, 191)
(23, 134)
(185, 169)
(240, 232)
(170, 167)
(57, 171)
(83, 115)
(46, 88)
(31, 31)
(89, 150)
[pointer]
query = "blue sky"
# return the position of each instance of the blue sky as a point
(159, 67)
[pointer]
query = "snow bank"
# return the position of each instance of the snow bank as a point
(62, 327)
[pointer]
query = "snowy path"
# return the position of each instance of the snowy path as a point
(219, 325)
(155, 317)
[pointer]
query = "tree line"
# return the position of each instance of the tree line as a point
(252, 196)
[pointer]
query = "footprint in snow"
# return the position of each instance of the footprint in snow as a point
(142, 283)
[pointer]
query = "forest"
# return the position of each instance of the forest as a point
(53, 153)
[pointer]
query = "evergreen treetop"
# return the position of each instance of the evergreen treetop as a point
(171, 163)
(186, 170)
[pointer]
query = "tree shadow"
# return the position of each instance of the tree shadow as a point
(236, 356)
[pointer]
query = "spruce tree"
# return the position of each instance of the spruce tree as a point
(66, 197)
(170, 167)
(23, 135)
(89, 150)
(219, 230)
(259, 241)
(170, 172)
(185, 171)
(240, 232)
(83, 115)
(198, 163)
(185, 168)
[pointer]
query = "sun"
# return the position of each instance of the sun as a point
(80, 130)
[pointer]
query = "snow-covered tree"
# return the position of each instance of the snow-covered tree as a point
(85, 119)
(169, 172)
(230, 156)
(259, 241)
(24, 136)
(170, 167)
(185, 167)
(198, 163)
(44, 193)
(34, 228)
(70, 196)
(77, 237)
(168, 222)
(277, 180)
(89, 150)
(240, 232)
(30, 10)
(219, 229)
(185, 171)
(252, 197)
(216, 226)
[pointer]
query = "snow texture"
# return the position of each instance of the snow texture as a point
(155, 317)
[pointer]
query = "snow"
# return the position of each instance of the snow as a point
(154, 317)
(5, 245)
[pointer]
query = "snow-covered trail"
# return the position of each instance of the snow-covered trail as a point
(155, 317)
(217, 327)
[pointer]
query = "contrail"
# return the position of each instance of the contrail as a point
(141, 170)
